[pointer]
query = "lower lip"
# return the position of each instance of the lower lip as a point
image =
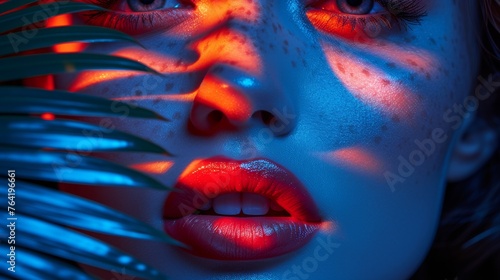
(240, 238)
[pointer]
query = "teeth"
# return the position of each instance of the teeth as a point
(231, 204)
(254, 204)
(227, 204)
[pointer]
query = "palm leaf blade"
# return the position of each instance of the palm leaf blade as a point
(14, 4)
(73, 168)
(74, 211)
(38, 13)
(20, 100)
(35, 132)
(13, 68)
(42, 266)
(48, 37)
(76, 247)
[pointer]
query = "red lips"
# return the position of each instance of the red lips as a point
(240, 236)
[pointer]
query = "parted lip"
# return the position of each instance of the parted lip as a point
(213, 177)
(240, 237)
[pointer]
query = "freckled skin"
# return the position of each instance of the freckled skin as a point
(270, 53)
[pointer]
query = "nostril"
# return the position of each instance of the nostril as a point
(215, 117)
(266, 117)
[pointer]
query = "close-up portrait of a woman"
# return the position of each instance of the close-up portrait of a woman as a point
(250, 139)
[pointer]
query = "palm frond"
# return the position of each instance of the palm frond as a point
(48, 37)
(35, 14)
(47, 152)
(11, 5)
(21, 100)
(50, 268)
(70, 210)
(72, 168)
(14, 68)
(68, 244)
(34, 132)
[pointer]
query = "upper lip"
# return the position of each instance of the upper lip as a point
(212, 177)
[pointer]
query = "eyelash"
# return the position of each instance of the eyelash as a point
(132, 23)
(403, 14)
(408, 12)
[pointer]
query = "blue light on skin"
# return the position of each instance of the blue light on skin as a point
(359, 104)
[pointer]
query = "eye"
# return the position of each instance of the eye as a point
(139, 16)
(349, 18)
(356, 7)
(151, 5)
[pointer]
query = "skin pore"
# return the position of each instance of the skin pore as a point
(340, 106)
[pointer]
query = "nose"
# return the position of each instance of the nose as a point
(239, 102)
(239, 90)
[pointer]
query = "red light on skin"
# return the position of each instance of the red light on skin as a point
(376, 88)
(48, 116)
(355, 158)
(154, 167)
(65, 20)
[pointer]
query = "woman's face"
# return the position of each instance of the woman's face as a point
(316, 106)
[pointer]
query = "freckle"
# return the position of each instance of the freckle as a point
(249, 13)
(177, 115)
(169, 86)
(138, 93)
(341, 68)
(395, 118)
(294, 64)
(428, 76)
(366, 72)
(432, 41)
(377, 139)
(385, 82)
(304, 62)
(285, 42)
(383, 128)
(105, 90)
(275, 28)
(271, 46)
(170, 134)
(285, 50)
(156, 101)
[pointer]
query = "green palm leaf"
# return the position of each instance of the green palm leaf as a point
(73, 168)
(19, 100)
(11, 5)
(41, 12)
(36, 151)
(69, 244)
(51, 268)
(13, 68)
(32, 132)
(69, 210)
(48, 37)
